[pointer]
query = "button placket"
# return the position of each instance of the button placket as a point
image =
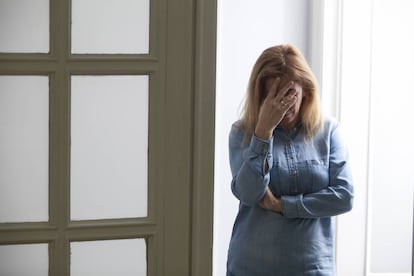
(292, 167)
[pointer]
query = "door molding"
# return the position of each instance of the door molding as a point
(204, 137)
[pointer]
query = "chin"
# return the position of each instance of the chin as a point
(289, 120)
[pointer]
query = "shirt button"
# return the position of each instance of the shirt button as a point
(295, 172)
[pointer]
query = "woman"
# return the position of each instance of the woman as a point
(290, 172)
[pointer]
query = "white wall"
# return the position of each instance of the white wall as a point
(375, 110)
(245, 29)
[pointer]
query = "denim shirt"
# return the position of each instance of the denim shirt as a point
(313, 180)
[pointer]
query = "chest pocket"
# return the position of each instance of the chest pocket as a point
(318, 175)
(301, 177)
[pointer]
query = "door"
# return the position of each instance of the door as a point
(106, 124)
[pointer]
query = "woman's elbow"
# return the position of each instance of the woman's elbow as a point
(348, 200)
(247, 195)
(344, 197)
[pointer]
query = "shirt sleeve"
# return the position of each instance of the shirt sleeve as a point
(337, 198)
(250, 165)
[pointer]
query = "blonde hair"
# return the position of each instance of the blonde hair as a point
(282, 61)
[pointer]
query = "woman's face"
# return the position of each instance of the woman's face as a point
(291, 117)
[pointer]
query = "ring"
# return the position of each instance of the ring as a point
(283, 103)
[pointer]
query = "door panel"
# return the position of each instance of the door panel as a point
(107, 258)
(24, 147)
(110, 27)
(109, 147)
(35, 258)
(24, 26)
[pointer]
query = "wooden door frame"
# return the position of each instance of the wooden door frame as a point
(204, 137)
(192, 44)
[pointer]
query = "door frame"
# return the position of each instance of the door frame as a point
(200, 41)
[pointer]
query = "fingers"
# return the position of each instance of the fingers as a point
(287, 96)
(278, 92)
(274, 88)
(285, 89)
(270, 202)
(288, 101)
(267, 198)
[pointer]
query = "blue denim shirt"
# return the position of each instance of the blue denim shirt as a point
(314, 182)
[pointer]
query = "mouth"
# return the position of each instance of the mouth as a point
(290, 112)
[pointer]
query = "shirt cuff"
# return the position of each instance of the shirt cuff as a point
(290, 206)
(260, 146)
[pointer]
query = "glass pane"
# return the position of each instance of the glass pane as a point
(24, 26)
(24, 142)
(25, 259)
(110, 27)
(391, 147)
(109, 258)
(109, 149)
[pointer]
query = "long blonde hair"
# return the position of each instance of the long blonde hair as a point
(282, 61)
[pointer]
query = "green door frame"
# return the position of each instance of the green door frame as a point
(197, 228)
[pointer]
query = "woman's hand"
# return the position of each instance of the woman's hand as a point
(273, 109)
(270, 202)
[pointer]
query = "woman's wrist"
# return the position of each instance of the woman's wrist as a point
(278, 206)
(263, 134)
